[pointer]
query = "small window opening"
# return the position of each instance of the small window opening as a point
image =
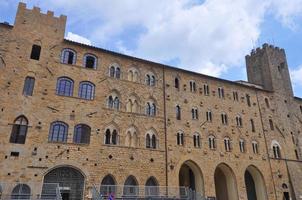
(35, 52)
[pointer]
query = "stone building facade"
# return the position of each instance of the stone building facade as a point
(85, 117)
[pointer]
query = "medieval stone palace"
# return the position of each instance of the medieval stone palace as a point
(93, 121)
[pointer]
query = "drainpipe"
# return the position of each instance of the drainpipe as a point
(267, 151)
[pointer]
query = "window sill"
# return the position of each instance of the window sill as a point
(68, 143)
(79, 66)
(75, 97)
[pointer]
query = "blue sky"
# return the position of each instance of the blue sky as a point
(207, 36)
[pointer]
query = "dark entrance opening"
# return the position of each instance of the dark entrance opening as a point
(250, 186)
(286, 196)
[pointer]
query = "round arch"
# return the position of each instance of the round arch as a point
(190, 175)
(254, 182)
(70, 179)
(225, 183)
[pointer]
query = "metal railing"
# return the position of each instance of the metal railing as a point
(144, 192)
(30, 191)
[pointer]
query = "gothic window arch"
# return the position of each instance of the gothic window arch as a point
(86, 90)
(19, 130)
(192, 86)
(133, 75)
(132, 104)
(178, 112)
(151, 108)
(238, 121)
(58, 132)
(68, 56)
(111, 136)
(151, 140)
(115, 71)
(209, 116)
(90, 61)
(242, 145)
(196, 140)
(224, 118)
(212, 142)
(180, 138)
(255, 147)
(206, 89)
(113, 101)
(150, 79)
(220, 92)
(194, 113)
(29, 84)
(227, 144)
(131, 138)
(21, 191)
(82, 134)
(64, 86)
(276, 149)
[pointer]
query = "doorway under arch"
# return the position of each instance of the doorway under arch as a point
(70, 180)
(225, 183)
(254, 183)
(191, 176)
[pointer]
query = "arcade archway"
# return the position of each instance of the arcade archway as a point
(254, 183)
(225, 183)
(191, 176)
(70, 180)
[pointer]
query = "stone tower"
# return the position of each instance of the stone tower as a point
(267, 66)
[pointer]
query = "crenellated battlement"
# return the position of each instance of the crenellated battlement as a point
(33, 20)
(261, 50)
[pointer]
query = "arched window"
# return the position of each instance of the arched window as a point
(252, 125)
(220, 92)
(90, 61)
(108, 186)
(58, 132)
(131, 187)
(176, 83)
(242, 145)
(111, 136)
(148, 141)
(180, 138)
(276, 150)
(86, 90)
(19, 130)
(227, 144)
(115, 71)
(21, 191)
(196, 140)
(68, 56)
(150, 79)
(209, 116)
(151, 142)
(151, 187)
(212, 142)
(206, 89)
(255, 147)
(178, 112)
(82, 134)
(113, 102)
(131, 137)
(133, 75)
(64, 86)
(224, 118)
(35, 52)
(239, 121)
(194, 113)
(192, 86)
(151, 109)
(271, 124)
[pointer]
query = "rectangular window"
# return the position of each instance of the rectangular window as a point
(235, 96)
(14, 154)
(220, 92)
(248, 99)
(297, 154)
(29, 84)
(252, 125)
(206, 90)
(35, 52)
(301, 109)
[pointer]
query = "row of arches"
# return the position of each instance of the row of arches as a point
(225, 182)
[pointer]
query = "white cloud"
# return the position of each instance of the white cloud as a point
(296, 76)
(77, 38)
(209, 37)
